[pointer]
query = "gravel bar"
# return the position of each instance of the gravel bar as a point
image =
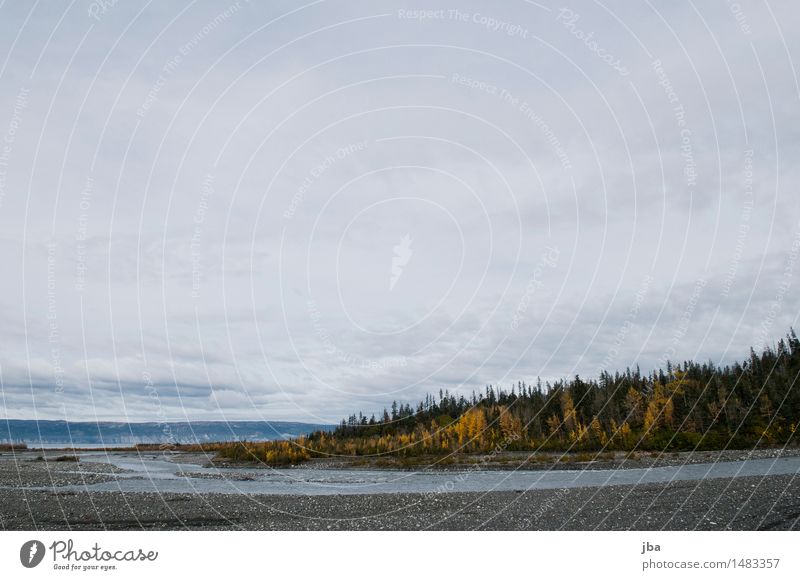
(746, 503)
(32, 498)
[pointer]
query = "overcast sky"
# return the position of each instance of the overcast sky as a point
(297, 211)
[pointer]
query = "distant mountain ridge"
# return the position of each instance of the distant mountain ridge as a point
(34, 432)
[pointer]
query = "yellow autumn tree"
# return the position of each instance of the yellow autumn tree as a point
(597, 432)
(471, 428)
(554, 426)
(510, 426)
(660, 409)
(568, 410)
(634, 405)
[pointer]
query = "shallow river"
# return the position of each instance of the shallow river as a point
(153, 474)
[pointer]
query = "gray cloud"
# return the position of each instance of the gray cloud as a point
(203, 210)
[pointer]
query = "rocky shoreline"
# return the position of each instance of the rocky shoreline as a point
(548, 461)
(771, 503)
(30, 499)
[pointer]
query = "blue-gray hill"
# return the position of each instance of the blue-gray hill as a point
(110, 433)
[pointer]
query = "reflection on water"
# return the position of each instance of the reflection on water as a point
(149, 472)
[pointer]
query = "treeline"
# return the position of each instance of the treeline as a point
(685, 407)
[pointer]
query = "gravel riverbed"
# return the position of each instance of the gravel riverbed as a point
(742, 503)
(718, 504)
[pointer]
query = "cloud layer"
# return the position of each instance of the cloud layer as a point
(297, 211)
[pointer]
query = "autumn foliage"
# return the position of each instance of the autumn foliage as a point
(687, 407)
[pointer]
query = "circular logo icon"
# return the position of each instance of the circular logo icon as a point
(31, 553)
